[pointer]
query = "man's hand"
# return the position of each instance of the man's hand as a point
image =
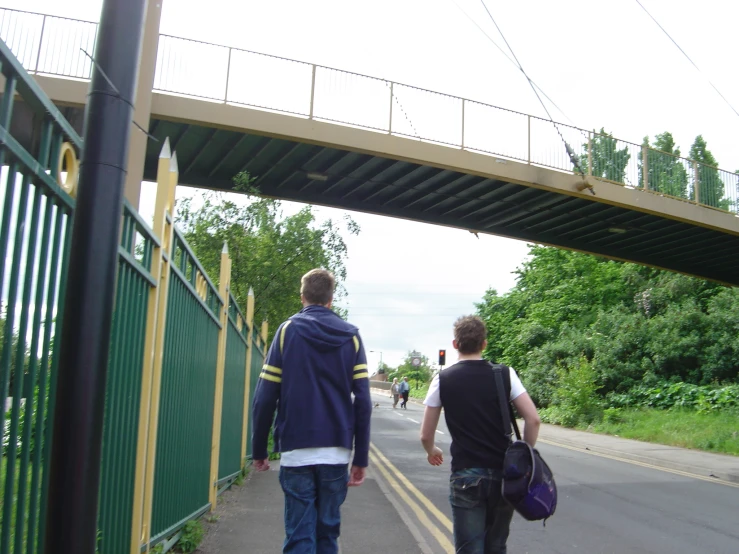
(261, 465)
(436, 456)
(356, 476)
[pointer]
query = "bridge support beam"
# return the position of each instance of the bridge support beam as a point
(142, 107)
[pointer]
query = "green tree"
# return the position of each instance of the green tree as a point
(665, 171)
(606, 160)
(710, 185)
(269, 252)
(416, 374)
(632, 323)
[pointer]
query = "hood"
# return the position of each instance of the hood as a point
(322, 328)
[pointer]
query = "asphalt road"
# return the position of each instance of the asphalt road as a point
(606, 506)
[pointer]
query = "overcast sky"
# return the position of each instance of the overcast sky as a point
(605, 64)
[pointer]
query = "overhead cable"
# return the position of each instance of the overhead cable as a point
(476, 24)
(688, 57)
(574, 159)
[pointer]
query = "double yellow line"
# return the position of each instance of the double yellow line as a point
(400, 485)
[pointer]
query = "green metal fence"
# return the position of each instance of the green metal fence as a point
(34, 232)
(234, 380)
(184, 435)
(123, 388)
(37, 154)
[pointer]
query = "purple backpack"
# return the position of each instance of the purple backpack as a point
(528, 483)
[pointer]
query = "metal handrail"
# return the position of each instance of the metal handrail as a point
(398, 122)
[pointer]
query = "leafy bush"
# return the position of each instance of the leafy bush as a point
(575, 401)
(706, 398)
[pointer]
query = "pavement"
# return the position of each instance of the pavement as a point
(606, 486)
(249, 519)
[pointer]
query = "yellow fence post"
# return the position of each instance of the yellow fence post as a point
(223, 289)
(247, 384)
(265, 330)
(167, 175)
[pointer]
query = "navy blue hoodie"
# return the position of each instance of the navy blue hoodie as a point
(315, 363)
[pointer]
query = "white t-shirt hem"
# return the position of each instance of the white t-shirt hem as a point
(332, 455)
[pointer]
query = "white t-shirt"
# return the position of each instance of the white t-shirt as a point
(433, 397)
(332, 455)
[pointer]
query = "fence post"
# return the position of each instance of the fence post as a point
(312, 90)
(696, 182)
(265, 331)
(247, 384)
(390, 122)
(40, 44)
(590, 153)
(462, 123)
(228, 78)
(223, 289)
(528, 135)
(645, 166)
(156, 319)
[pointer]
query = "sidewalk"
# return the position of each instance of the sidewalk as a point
(250, 520)
(706, 464)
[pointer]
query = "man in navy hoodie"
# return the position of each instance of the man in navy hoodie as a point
(314, 365)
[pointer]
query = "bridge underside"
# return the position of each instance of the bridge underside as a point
(366, 183)
(324, 175)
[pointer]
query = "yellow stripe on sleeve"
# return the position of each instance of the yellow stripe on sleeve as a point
(282, 334)
(270, 377)
(363, 375)
(360, 366)
(356, 344)
(273, 369)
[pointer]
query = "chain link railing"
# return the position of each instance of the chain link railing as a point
(53, 45)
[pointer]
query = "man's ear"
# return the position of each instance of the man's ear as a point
(484, 344)
(454, 344)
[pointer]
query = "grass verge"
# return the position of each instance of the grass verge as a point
(712, 432)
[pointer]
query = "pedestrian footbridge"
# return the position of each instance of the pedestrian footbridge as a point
(330, 137)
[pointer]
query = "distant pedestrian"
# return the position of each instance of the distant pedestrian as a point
(395, 392)
(468, 393)
(405, 390)
(314, 365)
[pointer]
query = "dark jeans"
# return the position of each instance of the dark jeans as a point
(405, 400)
(482, 517)
(313, 498)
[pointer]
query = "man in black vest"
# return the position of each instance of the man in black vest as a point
(468, 394)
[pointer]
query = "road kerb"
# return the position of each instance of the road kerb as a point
(702, 473)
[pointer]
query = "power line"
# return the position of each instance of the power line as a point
(570, 151)
(688, 57)
(476, 24)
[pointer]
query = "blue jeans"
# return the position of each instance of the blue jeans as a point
(482, 517)
(313, 498)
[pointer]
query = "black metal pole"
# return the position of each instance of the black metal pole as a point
(71, 513)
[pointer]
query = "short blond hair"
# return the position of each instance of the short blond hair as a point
(470, 333)
(317, 287)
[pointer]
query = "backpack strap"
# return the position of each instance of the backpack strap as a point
(506, 411)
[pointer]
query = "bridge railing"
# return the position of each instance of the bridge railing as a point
(242, 77)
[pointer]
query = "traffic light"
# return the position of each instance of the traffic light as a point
(442, 357)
